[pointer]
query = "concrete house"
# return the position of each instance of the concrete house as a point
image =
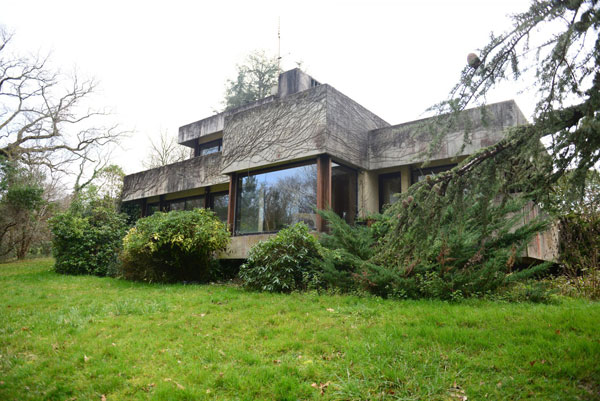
(265, 165)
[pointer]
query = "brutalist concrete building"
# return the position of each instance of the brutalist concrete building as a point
(268, 164)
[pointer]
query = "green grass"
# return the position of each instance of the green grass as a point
(79, 338)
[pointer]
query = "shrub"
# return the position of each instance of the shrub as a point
(580, 252)
(88, 237)
(174, 246)
(286, 262)
(349, 248)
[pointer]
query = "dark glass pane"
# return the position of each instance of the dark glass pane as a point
(344, 192)
(419, 174)
(194, 203)
(389, 188)
(271, 201)
(151, 208)
(177, 204)
(220, 202)
(209, 147)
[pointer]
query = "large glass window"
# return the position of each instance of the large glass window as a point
(151, 208)
(178, 204)
(194, 203)
(219, 202)
(344, 192)
(390, 185)
(270, 201)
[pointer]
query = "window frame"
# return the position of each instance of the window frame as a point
(381, 177)
(416, 172)
(271, 169)
(207, 145)
(356, 183)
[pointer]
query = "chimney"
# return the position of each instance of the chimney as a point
(294, 81)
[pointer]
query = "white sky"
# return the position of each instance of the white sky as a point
(163, 64)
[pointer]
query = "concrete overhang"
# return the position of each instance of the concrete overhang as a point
(408, 143)
(188, 134)
(193, 173)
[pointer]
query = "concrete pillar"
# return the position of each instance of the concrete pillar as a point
(368, 193)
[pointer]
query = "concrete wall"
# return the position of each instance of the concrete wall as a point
(186, 175)
(240, 245)
(368, 193)
(348, 126)
(189, 133)
(404, 143)
(286, 129)
(293, 81)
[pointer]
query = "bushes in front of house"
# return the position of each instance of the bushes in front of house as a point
(288, 261)
(580, 254)
(174, 246)
(87, 238)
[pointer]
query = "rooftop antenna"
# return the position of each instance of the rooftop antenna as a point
(279, 45)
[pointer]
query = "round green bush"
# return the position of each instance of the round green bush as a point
(174, 246)
(285, 262)
(87, 238)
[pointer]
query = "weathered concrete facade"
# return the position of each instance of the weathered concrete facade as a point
(308, 123)
(193, 173)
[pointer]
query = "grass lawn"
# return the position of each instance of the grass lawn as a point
(89, 338)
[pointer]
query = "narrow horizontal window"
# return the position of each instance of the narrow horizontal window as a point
(208, 148)
(419, 174)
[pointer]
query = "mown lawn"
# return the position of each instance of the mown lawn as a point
(88, 338)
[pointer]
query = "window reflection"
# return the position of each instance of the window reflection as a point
(271, 201)
(208, 148)
(219, 203)
(177, 205)
(390, 185)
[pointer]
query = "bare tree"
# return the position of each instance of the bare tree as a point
(165, 151)
(44, 119)
(46, 129)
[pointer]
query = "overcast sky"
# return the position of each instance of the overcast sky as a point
(162, 65)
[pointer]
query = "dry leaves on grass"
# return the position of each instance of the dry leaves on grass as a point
(321, 387)
(457, 393)
(179, 386)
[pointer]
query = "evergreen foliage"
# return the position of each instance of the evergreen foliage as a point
(24, 209)
(555, 47)
(88, 236)
(254, 80)
(286, 262)
(460, 233)
(174, 246)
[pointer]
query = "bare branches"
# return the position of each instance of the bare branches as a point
(562, 63)
(43, 115)
(165, 151)
(557, 42)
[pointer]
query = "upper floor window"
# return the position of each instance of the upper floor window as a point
(419, 174)
(208, 148)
